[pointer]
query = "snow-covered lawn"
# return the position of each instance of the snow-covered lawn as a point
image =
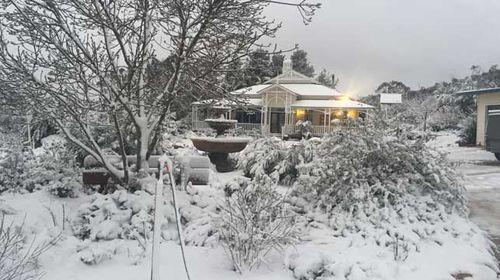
(350, 257)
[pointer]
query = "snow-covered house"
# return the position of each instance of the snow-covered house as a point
(276, 106)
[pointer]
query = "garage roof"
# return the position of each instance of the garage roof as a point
(480, 91)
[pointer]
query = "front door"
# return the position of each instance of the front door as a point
(277, 121)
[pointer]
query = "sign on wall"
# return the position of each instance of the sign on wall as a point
(390, 98)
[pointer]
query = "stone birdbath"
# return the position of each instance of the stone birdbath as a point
(219, 147)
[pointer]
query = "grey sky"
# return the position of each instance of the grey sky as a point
(419, 42)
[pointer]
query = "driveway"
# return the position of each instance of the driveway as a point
(481, 173)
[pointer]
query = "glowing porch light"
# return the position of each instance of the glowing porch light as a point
(345, 97)
(339, 113)
(352, 114)
(300, 113)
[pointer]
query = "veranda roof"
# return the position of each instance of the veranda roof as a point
(332, 104)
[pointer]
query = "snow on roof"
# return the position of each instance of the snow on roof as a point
(255, 102)
(480, 91)
(298, 89)
(344, 104)
(292, 77)
(253, 90)
(311, 90)
(224, 103)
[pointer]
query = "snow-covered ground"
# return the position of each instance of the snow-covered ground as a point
(336, 257)
(481, 171)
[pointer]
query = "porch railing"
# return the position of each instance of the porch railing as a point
(316, 130)
(322, 130)
(201, 125)
(248, 126)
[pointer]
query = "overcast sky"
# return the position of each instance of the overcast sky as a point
(418, 42)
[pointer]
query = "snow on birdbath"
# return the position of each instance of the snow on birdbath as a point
(220, 146)
(221, 124)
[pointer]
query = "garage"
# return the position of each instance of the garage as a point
(488, 118)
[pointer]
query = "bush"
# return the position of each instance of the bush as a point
(254, 221)
(12, 161)
(468, 127)
(269, 160)
(18, 256)
(121, 215)
(52, 167)
(440, 121)
(361, 175)
(124, 215)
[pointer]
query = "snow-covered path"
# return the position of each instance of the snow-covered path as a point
(481, 173)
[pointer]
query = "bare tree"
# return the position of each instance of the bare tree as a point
(84, 64)
(18, 255)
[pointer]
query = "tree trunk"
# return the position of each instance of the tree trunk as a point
(143, 135)
(122, 149)
(425, 121)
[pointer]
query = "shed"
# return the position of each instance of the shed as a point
(488, 102)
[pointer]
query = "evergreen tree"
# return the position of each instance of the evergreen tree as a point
(301, 64)
(326, 78)
(235, 76)
(258, 68)
(277, 64)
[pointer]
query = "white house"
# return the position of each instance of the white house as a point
(275, 106)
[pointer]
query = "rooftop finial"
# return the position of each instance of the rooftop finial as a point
(287, 65)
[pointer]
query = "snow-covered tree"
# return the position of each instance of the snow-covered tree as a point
(84, 64)
(393, 87)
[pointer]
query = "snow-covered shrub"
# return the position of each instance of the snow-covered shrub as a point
(12, 162)
(119, 215)
(65, 187)
(18, 254)
(11, 169)
(52, 167)
(295, 155)
(124, 215)
(359, 174)
(439, 121)
(269, 160)
(55, 171)
(94, 253)
(254, 221)
(304, 127)
(468, 129)
(260, 158)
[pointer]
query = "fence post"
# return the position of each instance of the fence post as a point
(155, 253)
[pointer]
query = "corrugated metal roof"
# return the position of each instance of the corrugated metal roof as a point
(253, 90)
(292, 77)
(480, 91)
(311, 90)
(298, 89)
(337, 104)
